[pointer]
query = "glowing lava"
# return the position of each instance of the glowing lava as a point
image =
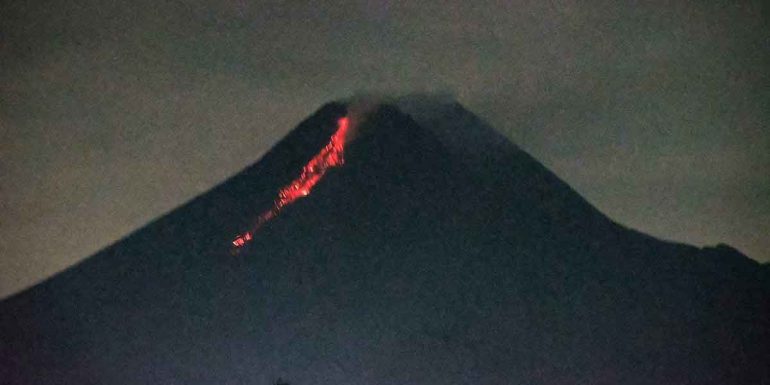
(329, 156)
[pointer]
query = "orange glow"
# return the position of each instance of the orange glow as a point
(330, 156)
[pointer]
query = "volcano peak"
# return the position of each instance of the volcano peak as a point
(425, 249)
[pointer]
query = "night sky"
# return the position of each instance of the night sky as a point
(112, 113)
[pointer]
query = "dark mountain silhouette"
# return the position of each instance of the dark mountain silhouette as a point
(440, 253)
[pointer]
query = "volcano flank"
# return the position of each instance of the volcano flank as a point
(428, 249)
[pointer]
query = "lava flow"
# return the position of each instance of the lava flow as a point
(329, 156)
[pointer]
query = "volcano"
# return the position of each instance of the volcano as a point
(423, 248)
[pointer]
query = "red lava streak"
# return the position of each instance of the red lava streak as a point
(329, 156)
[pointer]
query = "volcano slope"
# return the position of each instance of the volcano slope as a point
(439, 253)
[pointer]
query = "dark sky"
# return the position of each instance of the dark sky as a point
(112, 113)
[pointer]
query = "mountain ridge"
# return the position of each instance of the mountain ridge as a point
(490, 265)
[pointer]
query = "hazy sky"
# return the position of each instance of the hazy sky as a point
(114, 112)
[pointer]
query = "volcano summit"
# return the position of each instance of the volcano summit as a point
(429, 249)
